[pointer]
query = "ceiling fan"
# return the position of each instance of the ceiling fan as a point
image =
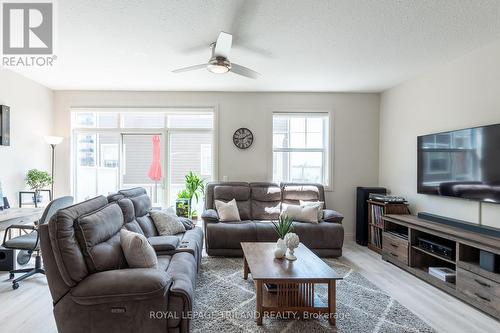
(219, 62)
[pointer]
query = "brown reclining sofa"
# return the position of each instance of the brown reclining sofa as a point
(258, 204)
(92, 288)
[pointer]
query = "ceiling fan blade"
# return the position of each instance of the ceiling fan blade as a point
(223, 45)
(244, 71)
(190, 68)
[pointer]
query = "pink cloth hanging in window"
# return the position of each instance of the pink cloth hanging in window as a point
(154, 172)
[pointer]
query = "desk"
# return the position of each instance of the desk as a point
(19, 216)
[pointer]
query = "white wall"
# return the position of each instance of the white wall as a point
(31, 119)
(464, 93)
(355, 129)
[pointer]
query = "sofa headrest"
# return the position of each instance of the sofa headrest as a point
(209, 191)
(115, 197)
(98, 234)
(130, 222)
(226, 193)
(127, 208)
(265, 192)
(142, 205)
(294, 192)
(67, 252)
(133, 192)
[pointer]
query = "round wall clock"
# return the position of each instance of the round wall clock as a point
(243, 138)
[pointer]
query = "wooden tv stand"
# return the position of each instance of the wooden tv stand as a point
(474, 285)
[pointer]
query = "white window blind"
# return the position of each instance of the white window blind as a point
(137, 157)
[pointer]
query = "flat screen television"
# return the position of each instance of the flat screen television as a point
(463, 163)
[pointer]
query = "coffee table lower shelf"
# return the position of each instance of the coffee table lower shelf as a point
(294, 297)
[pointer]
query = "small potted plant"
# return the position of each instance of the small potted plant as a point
(37, 180)
(182, 206)
(282, 227)
(195, 187)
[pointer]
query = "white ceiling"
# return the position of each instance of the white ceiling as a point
(315, 45)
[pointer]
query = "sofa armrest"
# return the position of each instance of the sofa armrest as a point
(210, 215)
(163, 243)
(333, 216)
(120, 285)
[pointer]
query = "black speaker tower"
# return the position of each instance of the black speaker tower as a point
(362, 194)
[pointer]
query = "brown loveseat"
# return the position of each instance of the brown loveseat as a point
(92, 288)
(258, 204)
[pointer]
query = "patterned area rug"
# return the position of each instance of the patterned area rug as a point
(224, 302)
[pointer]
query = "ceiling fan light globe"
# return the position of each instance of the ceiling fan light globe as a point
(217, 69)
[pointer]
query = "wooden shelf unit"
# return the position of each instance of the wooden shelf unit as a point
(375, 229)
(473, 285)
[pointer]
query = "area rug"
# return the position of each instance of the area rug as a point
(224, 302)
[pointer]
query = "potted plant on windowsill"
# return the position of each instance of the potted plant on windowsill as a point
(282, 228)
(37, 180)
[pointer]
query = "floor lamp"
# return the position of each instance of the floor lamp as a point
(53, 141)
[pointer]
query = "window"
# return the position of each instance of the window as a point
(300, 147)
(114, 150)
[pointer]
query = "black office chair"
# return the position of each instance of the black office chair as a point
(29, 242)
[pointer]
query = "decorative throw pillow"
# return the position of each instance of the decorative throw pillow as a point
(137, 250)
(319, 204)
(188, 224)
(228, 211)
(166, 223)
(301, 213)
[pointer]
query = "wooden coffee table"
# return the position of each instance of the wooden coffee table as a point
(294, 281)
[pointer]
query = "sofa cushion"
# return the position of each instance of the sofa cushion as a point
(114, 286)
(240, 193)
(227, 193)
(186, 222)
(265, 231)
(323, 235)
(147, 225)
(99, 238)
(266, 201)
(227, 211)
(127, 208)
(263, 192)
(138, 252)
(142, 204)
(293, 193)
(67, 252)
(224, 235)
(166, 224)
(133, 192)
(164, 243)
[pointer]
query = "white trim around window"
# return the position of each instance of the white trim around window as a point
(327, 149)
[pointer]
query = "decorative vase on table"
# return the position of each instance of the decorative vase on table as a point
(282, 227)
(292, 242)
(280, 250)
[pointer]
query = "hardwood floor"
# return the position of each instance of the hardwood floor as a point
(29, 308)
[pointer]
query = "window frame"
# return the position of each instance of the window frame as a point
(328, 152)
(165, 132)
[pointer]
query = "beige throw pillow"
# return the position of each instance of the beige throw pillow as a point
(228, 211)
(137, 250)
(166, 223)
(301, 213)
(318, 204)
